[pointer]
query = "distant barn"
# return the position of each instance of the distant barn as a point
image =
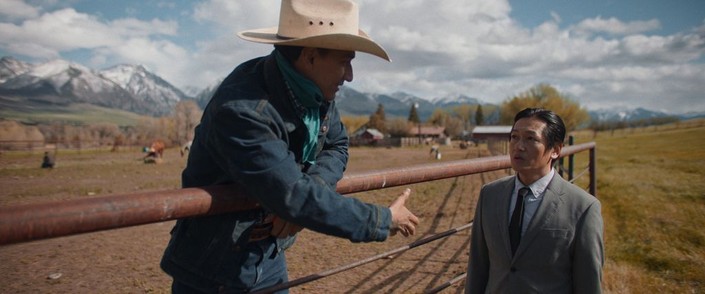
(497, 138)
(430, 135)
(367, 136)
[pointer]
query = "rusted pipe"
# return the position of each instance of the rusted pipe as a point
(30, 222)
(62, 218)
(385, 178)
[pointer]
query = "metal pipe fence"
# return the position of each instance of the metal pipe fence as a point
(25, 223)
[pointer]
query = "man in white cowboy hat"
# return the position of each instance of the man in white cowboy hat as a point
(273, 129)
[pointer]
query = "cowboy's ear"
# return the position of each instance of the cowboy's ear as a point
(308, 54)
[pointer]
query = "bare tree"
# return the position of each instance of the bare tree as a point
(378, 119)
(399, 127)
(186, 116)
(438, 117)
(453, 126)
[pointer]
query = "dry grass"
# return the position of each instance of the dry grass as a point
(651, 183)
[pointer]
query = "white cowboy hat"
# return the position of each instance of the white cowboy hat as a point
(317, 23)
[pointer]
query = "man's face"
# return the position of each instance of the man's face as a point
(329, 71)
(527, 150)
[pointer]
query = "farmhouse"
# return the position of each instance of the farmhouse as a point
(371, 135)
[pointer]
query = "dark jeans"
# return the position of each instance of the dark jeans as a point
(260, 268)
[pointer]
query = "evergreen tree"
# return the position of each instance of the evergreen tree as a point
(413, 114)
(479, 116)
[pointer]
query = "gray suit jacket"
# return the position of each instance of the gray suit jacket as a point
(561, 251)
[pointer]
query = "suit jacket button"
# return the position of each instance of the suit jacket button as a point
(513, 269)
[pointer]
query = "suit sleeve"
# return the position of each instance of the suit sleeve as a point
(479, 263)
(588, 257)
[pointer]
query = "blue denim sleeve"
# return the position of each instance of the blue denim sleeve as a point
(248, 143)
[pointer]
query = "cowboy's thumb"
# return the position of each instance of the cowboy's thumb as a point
(401, 200)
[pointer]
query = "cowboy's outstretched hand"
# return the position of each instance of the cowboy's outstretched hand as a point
(403, 221)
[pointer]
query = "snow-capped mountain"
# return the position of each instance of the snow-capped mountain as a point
(135, 89)
(62, 82)
(145, 86)
(352, 102)
(693, 114)
(455, 100)
(205, 95)
(126, 87)
(10, 67)
(625, 114)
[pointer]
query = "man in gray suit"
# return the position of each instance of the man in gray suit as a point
(553, 243)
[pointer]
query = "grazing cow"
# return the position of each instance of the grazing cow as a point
(155, 152)
(435, 149)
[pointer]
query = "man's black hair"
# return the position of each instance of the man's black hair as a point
(291, 53)
(554, 132)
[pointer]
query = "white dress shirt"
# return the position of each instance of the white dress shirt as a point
(531, 202)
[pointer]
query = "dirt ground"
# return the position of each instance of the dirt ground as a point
(126, 260)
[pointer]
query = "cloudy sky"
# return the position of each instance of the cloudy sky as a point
(601, 53)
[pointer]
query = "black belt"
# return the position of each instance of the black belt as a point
(262, 229)
(260, 232)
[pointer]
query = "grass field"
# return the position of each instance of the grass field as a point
(78, 113)
(651, 183)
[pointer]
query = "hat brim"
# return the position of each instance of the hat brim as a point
(360, 42)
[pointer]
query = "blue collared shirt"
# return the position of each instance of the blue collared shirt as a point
(532, 202)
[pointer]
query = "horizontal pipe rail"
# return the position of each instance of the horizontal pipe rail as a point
(29, 222)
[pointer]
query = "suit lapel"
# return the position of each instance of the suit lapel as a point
(552, 199)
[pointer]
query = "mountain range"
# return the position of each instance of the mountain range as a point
(61, 83)
(57, 84)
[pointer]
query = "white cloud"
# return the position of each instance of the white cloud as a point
(130, 27)
(66, 30)
(238, 15)
(493, 57)
(617, 27)
(57, 31)
(17, 10)
(474, 48)
(438, 48)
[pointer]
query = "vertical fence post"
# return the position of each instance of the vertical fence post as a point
(593, 171)
(571, 161)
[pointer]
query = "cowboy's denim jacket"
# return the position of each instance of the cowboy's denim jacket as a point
(251, 134)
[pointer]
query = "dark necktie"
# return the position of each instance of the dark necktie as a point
(517, 219)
